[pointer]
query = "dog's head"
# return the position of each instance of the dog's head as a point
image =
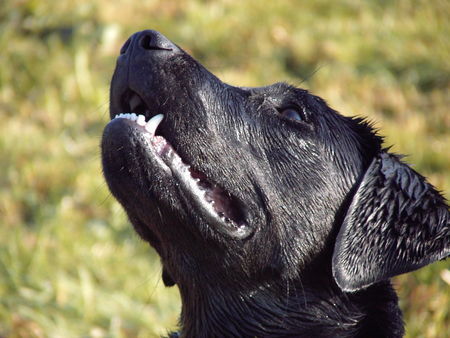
(234, 185)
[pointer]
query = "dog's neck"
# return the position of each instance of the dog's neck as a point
(293, 309)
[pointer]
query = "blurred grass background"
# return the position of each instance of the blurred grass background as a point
(70, 264)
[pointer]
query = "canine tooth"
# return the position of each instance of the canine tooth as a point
(141, 120)
(133, 116)
(153, 123)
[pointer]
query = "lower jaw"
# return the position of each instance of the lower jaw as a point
(218, 214)
(196, 197)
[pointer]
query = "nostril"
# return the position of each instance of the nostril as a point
(151, 40)
(124, 48)
(146, 42)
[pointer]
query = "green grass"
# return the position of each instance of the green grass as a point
(70, 265)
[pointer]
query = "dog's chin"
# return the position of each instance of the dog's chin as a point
(159, 176)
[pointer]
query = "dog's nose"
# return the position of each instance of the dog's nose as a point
(148, 40)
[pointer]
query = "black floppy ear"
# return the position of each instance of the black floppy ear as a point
(396, 222)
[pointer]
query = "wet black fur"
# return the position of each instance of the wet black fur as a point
(332, 214)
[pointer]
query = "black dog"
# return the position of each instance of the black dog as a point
(273, 214)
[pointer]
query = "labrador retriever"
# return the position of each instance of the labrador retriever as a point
(275, 215)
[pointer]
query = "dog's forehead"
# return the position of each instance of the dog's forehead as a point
(279, 91)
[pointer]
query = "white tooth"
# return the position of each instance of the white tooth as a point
(134, 117)
(153, 123)
(141, 120)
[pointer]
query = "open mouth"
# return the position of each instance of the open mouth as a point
(212, 202)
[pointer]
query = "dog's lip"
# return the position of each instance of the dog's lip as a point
(218, 207)
(135, 101)
(131, 101)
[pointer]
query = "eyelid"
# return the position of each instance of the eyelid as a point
(289, 106)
